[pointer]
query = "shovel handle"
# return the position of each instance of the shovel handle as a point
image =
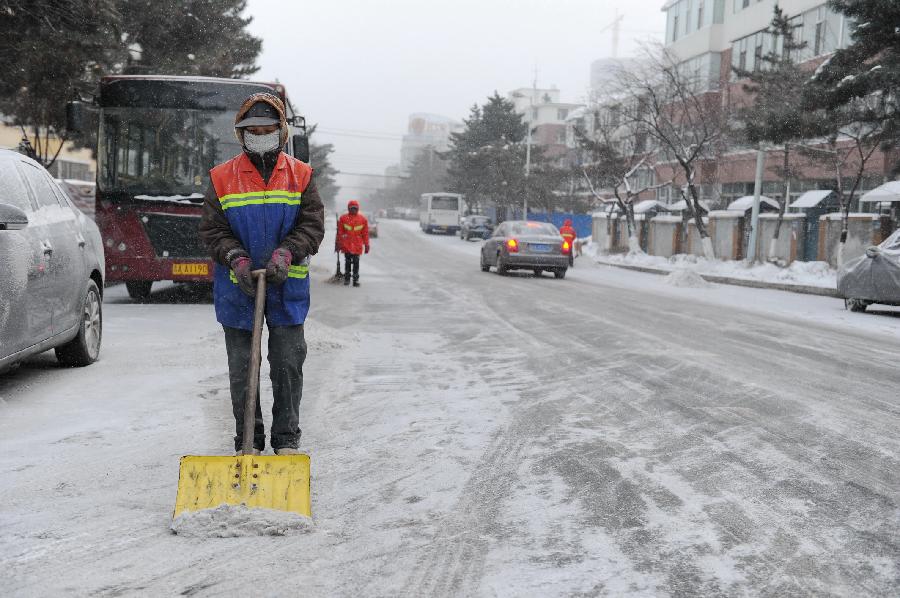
(255, 358)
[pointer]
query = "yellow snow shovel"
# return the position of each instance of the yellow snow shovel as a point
(278, 482)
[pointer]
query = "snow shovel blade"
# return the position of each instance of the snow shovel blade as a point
(269, 482)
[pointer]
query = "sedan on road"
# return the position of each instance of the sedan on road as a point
(526, 245)
(475, 226)
(51, 269)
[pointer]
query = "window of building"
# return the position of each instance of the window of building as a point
(561, 136)
(819, 34)
(562, 113)
(700, 15)
(675, 28)
(687, 17)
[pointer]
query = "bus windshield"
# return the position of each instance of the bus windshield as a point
(162, 151)
(443, 202)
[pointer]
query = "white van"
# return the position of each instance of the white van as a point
(440, 212)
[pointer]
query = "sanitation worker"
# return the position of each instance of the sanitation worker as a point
(568, 234)
(352, 239)
(262, 211)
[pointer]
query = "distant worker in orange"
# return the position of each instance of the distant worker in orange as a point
(568, 234)
(353, 240)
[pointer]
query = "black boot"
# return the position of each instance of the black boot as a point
(356, 283)
(346, 281)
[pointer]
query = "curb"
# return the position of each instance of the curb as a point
(740, 282)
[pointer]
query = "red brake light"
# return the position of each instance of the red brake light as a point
(513, 246)
(566, 247)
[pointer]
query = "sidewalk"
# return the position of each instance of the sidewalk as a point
(810, 278)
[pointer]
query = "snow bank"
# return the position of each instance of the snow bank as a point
(814, 274)
(226, 521)
(685, 278)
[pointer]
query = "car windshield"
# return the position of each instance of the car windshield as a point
(479, 219)
(533, 228)
(153, 151)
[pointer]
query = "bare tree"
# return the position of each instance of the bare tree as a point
(622, 156)
(683, 117)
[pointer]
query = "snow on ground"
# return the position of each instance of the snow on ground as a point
(829, 311)
(816, 274)
(226, 521)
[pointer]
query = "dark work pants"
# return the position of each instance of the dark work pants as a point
(287, 352)
(351, 260)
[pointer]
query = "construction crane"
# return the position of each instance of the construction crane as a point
(614, 25)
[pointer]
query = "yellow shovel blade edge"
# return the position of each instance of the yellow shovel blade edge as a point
(279, 482)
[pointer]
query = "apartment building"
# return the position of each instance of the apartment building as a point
(425, 131)
(711, 38)
(546, 115)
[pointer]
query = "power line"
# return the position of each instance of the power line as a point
(383, 176)
(361, 134)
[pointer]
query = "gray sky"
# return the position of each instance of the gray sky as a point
(359, 68)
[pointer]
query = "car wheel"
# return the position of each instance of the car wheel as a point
(856, 305)
(560, 273)
(501, 267)
(139, 290)
(538, 271)
(485, 267)
(84, 349)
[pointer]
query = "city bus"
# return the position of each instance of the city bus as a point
(440, 212)
(157, 139)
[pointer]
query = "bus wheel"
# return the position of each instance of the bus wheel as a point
(139, 290)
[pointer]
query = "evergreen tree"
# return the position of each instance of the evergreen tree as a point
(325, 171)
(487, 158)
(773, 114)
(51, 51)
(188, 37)
(868, 67)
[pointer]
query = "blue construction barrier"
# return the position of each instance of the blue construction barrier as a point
(582, 222)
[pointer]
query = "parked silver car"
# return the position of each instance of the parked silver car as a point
(51, 269)
(521, 245)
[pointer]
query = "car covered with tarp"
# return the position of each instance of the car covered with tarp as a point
(873, 277)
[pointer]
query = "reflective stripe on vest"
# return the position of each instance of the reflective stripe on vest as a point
(347, 227)
(255, 198)
(359, 227)
(300, 271)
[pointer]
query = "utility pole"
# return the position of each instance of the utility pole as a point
(754, 214)
(528, 144)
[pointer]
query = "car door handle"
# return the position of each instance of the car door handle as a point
(48, 248)
(81, 241)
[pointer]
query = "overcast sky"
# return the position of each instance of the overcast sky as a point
(358, 68)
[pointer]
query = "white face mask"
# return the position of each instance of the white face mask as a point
(261, 144)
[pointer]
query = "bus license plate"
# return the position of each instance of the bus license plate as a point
(540, 247)
(190, 269)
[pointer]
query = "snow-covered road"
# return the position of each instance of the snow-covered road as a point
(477, 435)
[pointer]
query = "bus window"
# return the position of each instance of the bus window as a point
(445, 203)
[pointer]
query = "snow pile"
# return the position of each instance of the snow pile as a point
(226, 521)
(685, 278)
(814, 274)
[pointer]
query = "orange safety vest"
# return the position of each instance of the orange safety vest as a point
(261, 215)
